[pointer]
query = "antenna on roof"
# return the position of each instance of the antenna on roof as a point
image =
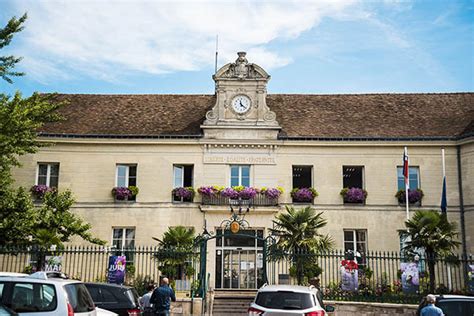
(217, 47)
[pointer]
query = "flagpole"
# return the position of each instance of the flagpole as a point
(407, 186)
(444, 188)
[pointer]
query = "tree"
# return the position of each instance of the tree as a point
(176, 251)
(431, 231)
(7, 63)
(298, 238)
(19, 120)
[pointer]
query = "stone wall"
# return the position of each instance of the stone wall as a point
(371, 309)
(186, 306)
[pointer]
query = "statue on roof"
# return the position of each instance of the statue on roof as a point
(242, 69)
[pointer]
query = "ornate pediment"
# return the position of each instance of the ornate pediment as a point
(241, 69)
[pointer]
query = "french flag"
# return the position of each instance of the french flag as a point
(405, 169)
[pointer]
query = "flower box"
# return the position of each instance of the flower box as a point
(414, 197)
(303, 195)
(122, 194)
(183, 194)
(354, 195)
(38, 191)
(214, 195)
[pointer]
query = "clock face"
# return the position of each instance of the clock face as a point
(241, 104)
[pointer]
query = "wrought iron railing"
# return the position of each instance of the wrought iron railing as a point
(259, 200)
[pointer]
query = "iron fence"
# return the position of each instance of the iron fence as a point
(379, 275)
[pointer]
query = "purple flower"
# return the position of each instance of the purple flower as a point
(354, 195)
(230, 193)
(185, 193)
(208, 191)
(247, 193)
(414, 196)
(272, 193)
(40, 190)
(121, 193)
(303, 194)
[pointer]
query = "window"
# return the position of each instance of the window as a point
(126, 175)
(239, 175)
(302, 176)
(31, 297)
(48, 174)
(353, 177)
(123, 238)
(182, 177)
(355, 241)
(413, 178)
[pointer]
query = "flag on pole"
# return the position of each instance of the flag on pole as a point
(444, 202)
(405, 169)
(407, 182)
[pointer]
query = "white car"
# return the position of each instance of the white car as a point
(289, 300)
(40, 295)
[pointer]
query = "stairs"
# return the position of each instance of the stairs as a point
(232, 303)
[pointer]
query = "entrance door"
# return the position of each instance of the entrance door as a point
(239, 267)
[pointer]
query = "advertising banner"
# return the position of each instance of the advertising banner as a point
(116, 270)
(410, 277)
(470, 279)
(53, 263)
(349, 276)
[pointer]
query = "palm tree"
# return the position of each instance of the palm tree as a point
(298, 237)
(431, 231)
(175, 251)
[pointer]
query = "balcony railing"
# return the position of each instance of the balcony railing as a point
(178, 199)
(258, 200)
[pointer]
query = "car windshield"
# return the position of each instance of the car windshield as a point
(284, 300)
(79, 298)
(455, 307)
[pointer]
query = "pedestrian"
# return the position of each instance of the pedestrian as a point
(316, 283)
(145, 301)
(431, 309)
(162, 297)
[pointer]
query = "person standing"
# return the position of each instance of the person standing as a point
(145, 301)
(431, 309)
(162, 297)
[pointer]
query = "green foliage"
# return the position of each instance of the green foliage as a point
(176, 252)
(310, 270)
(140, 283)
(299, 239)
(19, 120)
(7, 63)
(432, 232)
(134, 190)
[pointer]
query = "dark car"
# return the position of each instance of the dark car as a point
(119, 299)
(452, 305)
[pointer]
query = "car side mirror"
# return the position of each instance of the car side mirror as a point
(329, 308)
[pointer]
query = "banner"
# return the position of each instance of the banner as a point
(116, 270)
(53, 263)
(410, 277)
(349, 276)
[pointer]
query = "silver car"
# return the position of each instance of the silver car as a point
(292, 300)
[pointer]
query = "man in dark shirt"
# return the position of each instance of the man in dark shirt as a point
(162, 297)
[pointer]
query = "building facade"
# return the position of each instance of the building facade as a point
(241, 136)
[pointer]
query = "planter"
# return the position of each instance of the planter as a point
(123, 194)
(414, 197)
(354, 195)
(183, 194)
(303, 195)
(38, 191)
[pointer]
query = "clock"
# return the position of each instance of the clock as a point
(241, 104)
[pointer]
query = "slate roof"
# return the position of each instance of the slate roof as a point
(348, 116)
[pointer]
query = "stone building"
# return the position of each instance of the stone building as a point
(243, 136)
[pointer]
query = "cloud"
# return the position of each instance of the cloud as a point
(107, 39)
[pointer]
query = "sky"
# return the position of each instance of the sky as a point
(168, 47)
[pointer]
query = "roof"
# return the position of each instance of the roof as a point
(342, 116)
